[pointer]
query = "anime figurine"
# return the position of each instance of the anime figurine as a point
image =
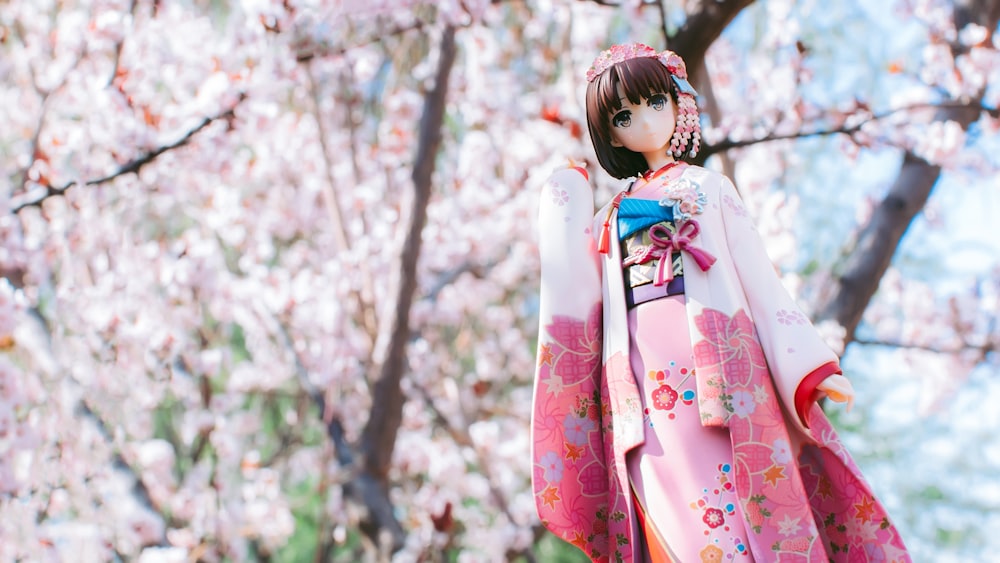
(674, 414)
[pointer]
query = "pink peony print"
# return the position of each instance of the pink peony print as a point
(576, 346)
(730, 343)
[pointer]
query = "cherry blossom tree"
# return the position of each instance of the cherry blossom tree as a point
(270, 276)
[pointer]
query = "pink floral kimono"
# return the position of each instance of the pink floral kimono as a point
(753, 363)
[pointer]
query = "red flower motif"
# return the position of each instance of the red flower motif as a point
(664, 398)
(713, 517)
(730, 343)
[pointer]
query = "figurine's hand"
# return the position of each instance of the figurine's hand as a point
(579, 167)
(839, 389)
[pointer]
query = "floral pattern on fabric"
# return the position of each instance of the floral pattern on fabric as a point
(570, 475)
(842, 521)
(685, 198)
(731, 346)
(626, 411)
(769, 492)
(736, 205)
(718, 513)
(853, 523)
(668, 391)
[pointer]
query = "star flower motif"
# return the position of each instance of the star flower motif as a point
(760, 394)
(545, 355)
(774, 474)
(550, 496)
(825, 488)
(574, 452)
(865, 509)
(789, 526)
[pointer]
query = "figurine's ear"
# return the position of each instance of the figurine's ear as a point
(615, 142)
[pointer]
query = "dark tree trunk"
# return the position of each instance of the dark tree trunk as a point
(878, 240)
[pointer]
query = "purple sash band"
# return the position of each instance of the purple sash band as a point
(648, 292)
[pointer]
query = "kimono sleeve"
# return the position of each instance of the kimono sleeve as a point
(569, 474)
(797, 356)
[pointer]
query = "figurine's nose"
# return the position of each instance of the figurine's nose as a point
(648, 120)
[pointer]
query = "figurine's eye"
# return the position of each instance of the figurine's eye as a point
(622, 119)
(657, 101)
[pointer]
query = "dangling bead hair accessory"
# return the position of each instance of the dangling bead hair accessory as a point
(687, 132)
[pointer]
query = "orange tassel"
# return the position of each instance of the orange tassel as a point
(603, 245)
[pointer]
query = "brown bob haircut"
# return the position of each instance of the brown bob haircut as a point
(640, 78)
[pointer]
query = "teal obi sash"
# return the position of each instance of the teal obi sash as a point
(635, 215)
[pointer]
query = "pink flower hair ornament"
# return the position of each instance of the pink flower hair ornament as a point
(627, 51)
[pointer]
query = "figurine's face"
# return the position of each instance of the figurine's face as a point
(645, 127)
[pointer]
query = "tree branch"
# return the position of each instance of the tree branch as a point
(845, 129)
(379, 435)
(699, 31)
(34, 198)
(306, 55)
(449, 277)
(335, 210)
(984, 349)
(329, 196)
(661, 5)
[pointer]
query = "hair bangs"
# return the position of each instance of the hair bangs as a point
(642, 77)
(639, 78)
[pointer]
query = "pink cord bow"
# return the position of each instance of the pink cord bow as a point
(665, 243)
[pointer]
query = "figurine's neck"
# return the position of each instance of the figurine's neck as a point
(663, 170)
(658, 159)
